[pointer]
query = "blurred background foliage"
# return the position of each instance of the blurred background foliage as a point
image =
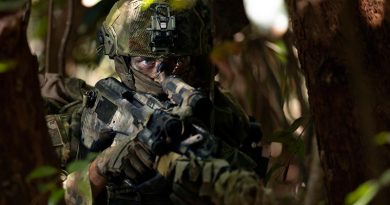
(254, 58)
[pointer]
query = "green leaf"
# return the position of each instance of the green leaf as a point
(42, 171)
(299, 148)
(77, 165)
(286, 137)
(80, 164)
(44, 187)
(11, 5)
(146, 4)
(55, 196)
(91, 156)
(382, 138)
(271, 171)
(363, 194)
(384, 180)
(6, 66)
(294, 145)
(279, 47)
(181, 4)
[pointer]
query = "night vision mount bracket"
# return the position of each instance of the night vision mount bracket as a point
(163, 29)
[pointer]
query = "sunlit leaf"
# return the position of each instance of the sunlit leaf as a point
(280, 49)
(80, 164)
(91, 156)
(384, 180)
(181, 4)
(363, 194)
(42, 171)
(77, 165)
(6, 66)
(55, 197)
(382, 138)
(147, 3)
(224, 50)
(41, 27)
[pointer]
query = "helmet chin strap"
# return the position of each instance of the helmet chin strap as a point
(124, 72)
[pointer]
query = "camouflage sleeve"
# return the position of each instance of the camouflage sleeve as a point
(58, 128)
(65, 134)
(60, 89)
(209, 181)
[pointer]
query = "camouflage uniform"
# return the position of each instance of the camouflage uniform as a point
(179, 180)
(63, 100)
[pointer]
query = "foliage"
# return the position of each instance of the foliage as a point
(368, 190)
(41, 172)
(44, 172)
(6, 66)
(175, 4)
(382, 138)
(294, 144)
(11, 4)
(281, 51)
(80, 164)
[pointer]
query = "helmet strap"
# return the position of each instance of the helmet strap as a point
(125, 74)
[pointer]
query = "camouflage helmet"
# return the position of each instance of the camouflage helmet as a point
(128, 29)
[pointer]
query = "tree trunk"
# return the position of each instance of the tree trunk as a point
(24, 141)
(343, 50)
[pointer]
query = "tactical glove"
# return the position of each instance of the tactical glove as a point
(105, 139)
(138, 163)
(130, 158)
(193, 180)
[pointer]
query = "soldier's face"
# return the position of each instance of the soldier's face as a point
(158, 68)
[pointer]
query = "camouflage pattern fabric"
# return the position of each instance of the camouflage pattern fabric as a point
(63, 100)
(62, 90)
(231, 122)
(213, 181)
(127, 24)
(58, 127)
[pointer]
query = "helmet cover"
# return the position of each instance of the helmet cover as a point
(128, 29)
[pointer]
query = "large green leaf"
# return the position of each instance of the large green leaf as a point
(41, 172)
(363, 194)
(368, 190)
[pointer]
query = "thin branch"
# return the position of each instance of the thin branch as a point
(64, 41)
(48, 36)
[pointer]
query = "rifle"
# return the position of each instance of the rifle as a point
(161, 125)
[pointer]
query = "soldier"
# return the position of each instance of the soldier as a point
(147, 45)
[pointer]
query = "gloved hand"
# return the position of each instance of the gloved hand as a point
(138, 163)
(105, 139)
(131, 158)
